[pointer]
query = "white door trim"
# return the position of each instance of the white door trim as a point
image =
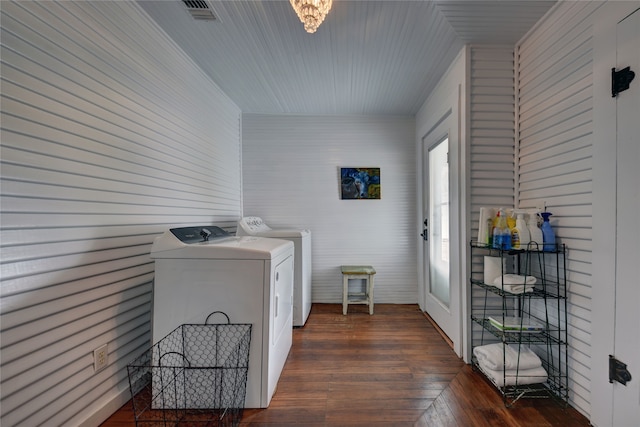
(449, 124)
(452, 94)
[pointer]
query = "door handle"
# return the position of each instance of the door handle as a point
(425, 235)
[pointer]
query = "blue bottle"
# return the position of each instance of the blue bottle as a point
(501, 233)
(548, 235)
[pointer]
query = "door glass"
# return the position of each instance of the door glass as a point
(439, 222)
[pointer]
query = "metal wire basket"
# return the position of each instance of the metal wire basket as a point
(195, 376)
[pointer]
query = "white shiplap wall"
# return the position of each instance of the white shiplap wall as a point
(554, 98)
(492, 124)
(291, 180)
(110, 135)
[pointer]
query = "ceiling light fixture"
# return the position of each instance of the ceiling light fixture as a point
(311, 12)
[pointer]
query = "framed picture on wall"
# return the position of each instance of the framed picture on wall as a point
(359, 183)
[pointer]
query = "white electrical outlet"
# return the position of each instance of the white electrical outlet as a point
(100, 358)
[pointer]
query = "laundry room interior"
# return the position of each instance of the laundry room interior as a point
(115, 130)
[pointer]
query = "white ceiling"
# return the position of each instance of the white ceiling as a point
(368, 57)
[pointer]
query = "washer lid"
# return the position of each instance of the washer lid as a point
(254, 226)
(189, 242)
(251, 226)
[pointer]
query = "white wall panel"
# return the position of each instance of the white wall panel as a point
(492, 146)
(492, 124)
(110, 135)
(291, 179)
(555, 112)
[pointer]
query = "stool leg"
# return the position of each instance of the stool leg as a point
(370, 296)
(345, 294)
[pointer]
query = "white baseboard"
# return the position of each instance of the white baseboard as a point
(108, 409)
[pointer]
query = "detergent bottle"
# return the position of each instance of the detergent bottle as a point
(501, 233)
(520, 236)
(535, 234)
(549, 236)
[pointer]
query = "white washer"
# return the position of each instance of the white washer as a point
(254, 226)
(248, 278)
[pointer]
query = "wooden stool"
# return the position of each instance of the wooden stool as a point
(362, 272)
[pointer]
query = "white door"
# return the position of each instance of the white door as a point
(440, 207)
(626, 399)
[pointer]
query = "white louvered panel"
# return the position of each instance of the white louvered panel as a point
(291, 180)
(110, 135)
(492, 129)
(543, 45)
(57, 331)
(555, 159)
(491, 142)
(42, 250)
(99, 149)
(68, 385)
(95, 197)
(65, 296)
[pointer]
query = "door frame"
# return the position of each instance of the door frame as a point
(604, 184)
(449, 121)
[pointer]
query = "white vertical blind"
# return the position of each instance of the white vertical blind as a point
(110, 135)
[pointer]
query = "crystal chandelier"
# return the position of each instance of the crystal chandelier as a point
(311, 12)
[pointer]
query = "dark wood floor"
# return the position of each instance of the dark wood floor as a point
(389, 369)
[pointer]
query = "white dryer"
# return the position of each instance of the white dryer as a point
(254, 226)
(199, 270)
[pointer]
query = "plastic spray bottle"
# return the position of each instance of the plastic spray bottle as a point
(496, 239)
(549, 236)
(501, 233)
(535, 234)
(494, 233)
(520, 236)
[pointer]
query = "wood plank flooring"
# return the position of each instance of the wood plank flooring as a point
(389, 369)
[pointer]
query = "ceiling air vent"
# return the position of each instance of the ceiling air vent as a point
(200, 10)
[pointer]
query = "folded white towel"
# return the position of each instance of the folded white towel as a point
(515, 377)
(514, 279)
(491, 356)
(516, 289)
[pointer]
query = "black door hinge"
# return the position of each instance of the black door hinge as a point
(618, 371)
(620, 80)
